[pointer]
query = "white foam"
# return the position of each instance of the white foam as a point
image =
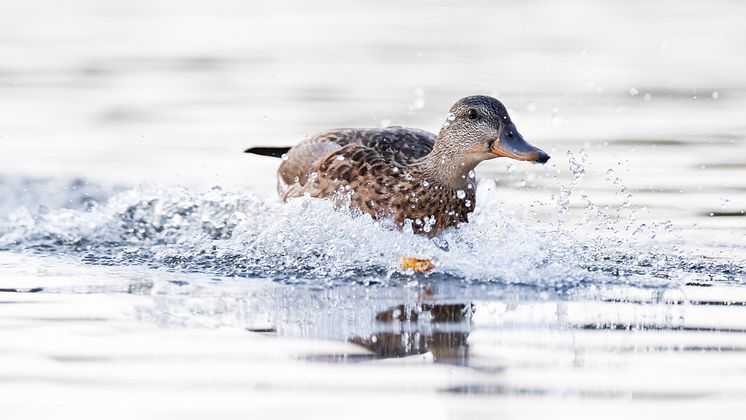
(307, 240)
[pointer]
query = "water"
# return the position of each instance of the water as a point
(308, 242)
(147, 269)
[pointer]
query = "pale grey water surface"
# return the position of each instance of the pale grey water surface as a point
(148, 271)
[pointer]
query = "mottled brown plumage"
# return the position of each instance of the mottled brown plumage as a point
(406, 174)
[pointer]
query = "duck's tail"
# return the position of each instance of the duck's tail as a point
(268, 151)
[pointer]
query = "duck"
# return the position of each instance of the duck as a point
(422, 181)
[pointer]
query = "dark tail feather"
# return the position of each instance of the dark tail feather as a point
(268, 151)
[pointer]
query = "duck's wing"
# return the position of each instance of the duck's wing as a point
(396, 145)
(359, 168)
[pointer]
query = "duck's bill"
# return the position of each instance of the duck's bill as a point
(511, 144)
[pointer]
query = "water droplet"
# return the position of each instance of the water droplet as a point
(424, 183)
(419, 100)
(284, 156)
(472, 174)
(556, 119)
(461, 194)
(648, 97)
(429, 223)
(314, 175)
(634, 91)
(715, 95)
(451, 116)
(340, 157)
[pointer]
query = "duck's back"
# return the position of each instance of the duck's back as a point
(395, 145)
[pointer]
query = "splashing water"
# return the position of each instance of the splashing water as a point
(577, 167)
(308, 241)
(419, 100)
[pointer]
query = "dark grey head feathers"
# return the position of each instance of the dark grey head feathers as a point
(481, 108)
(479, 128)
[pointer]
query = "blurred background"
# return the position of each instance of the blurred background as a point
(173, 91)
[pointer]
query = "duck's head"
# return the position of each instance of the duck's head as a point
(481, 127)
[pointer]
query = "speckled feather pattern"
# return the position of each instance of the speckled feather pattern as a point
(378, 171)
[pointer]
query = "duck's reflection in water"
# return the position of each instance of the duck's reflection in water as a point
(417, 329)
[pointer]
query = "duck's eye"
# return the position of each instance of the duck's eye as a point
(472, 114)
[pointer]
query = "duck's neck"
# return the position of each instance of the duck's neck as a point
(449, 167)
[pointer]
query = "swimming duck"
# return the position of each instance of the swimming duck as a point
(406, 174)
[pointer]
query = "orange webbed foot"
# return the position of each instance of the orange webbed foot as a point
(418, 265)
